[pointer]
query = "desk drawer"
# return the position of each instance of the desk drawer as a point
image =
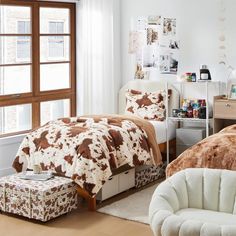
(225, 109)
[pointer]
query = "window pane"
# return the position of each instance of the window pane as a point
(54, 48)
(15, 79)
(54, 76)
(56, 27)
(23, 27)
(10, 16)
(59, 24)
(52, 110)
(15, 118)
(15, 50)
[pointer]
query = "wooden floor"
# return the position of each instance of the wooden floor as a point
(79, 222)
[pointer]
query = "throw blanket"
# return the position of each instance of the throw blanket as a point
(217, 151)
(88, 148)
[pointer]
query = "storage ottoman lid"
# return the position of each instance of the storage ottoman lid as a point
(42, 186)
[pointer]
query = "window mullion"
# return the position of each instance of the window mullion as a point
(35, 64)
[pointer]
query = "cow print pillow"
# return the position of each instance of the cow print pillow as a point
(150, 106)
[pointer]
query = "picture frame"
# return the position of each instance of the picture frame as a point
(232, 91)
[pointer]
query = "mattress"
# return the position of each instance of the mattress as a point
(160, 129)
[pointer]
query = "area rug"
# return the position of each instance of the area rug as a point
(134, 207)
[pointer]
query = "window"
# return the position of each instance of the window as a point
(37, 63)
(56, 43)
(23, 42)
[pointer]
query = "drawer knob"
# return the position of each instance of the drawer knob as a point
(227, 105)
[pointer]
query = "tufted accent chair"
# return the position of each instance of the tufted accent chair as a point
(195, 202)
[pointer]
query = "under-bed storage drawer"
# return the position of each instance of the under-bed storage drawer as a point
(117, 184)
(109, 189)
(126, 180)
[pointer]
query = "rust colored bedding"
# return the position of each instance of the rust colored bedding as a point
(217, 151)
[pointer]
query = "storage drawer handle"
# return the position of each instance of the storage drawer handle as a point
(127, 172)
(227, 105)
(110, 178)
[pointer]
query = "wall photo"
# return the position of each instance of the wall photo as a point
(155, 43)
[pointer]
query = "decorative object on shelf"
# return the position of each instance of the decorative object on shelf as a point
(190, 111)
(179, 113)
(182, 113)
(192, 108)
(205, 74)
(230, 78)
(175, 112)
(188, 77)
(194, 77)
(232, 94)
(202, 109)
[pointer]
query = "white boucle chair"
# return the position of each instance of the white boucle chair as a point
(195, 202)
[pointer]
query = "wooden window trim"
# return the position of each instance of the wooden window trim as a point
(17, 64)
(36, 96)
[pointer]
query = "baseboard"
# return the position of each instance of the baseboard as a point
(7, 171)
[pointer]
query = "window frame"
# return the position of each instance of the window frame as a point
(35, 97)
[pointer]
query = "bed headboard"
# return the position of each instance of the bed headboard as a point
(148, 86)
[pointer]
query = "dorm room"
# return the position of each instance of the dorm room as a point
(117, 117)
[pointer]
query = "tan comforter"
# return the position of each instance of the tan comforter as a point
(217, 151)
(88, 148)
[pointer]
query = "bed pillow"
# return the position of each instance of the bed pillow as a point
(150, 106)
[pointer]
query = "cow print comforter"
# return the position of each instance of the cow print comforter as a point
(87, 149)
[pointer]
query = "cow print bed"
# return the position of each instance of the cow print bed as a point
(85, 149)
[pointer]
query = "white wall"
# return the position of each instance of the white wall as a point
(8, 150)
(198, 27)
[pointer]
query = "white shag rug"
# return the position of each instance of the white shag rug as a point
(134, 207)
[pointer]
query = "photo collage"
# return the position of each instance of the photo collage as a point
(155, 44)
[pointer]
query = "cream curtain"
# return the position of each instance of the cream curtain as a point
(98, 66)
